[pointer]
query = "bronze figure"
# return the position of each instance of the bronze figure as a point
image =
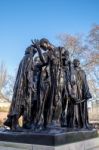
(49, 90)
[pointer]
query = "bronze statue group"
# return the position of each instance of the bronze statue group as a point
(50, 90)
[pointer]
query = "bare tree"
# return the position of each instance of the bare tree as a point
(93, 39)
(73, 43)
(77, 48)
(85, 48)
(6, 83)
(93, 36)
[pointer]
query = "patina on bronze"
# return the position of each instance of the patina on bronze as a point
(50, 90)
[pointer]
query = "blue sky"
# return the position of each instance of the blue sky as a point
(23, 20)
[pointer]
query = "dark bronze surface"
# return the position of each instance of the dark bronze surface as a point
(53, 137)
(49, 89)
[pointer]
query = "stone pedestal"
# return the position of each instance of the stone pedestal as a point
(92, 144)
(49, 140)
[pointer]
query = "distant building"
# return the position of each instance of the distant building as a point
(94, 111)
(4, 104)
(4, 108)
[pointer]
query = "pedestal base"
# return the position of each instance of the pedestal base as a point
(92, 144)
(50, 137)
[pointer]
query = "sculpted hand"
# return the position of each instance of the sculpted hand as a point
(36, 43)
